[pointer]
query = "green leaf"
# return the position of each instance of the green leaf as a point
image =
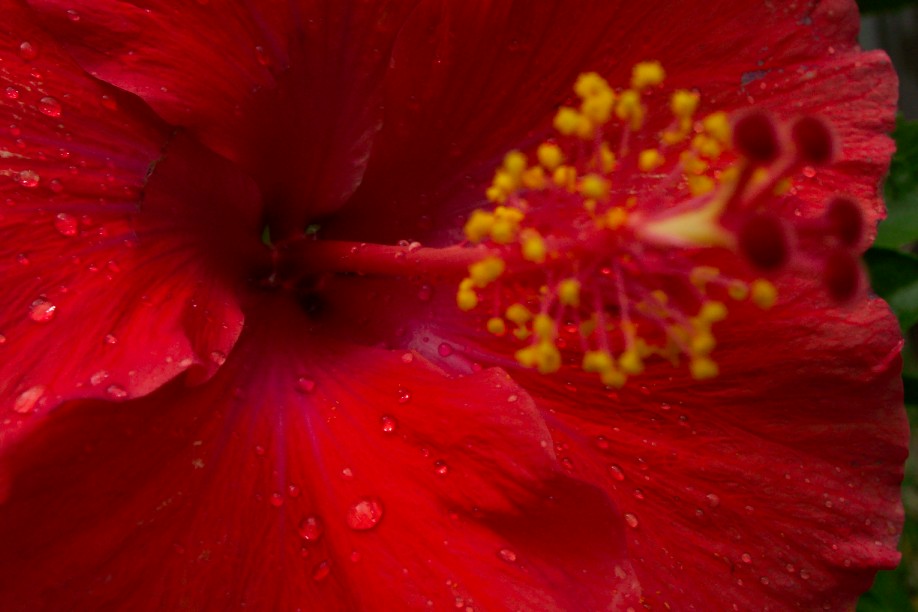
(894, 277)
(901, 192)
(887, 594)
(874, 6)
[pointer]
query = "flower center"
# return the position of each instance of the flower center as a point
(596, 236)
(598, 250)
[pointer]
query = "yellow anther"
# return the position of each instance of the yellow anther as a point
(479, 225)
(569, 292)
(504, 231)
(498, 196)
(631, 362)
(700, 185)
(590, 84)
(707, 147)
(597, 361)
(519, 314)
(647, 74)
(504, 181)
(712, 312)
(717, 126)
(660, 296)
(702, 343)
(533, 246)
(526, 357)
(606, 158)
(543, 326)
(590, 206)
(550, 156)
(738, 290)
(692, 164)
(684, 103)
(466, 299)
(567, 120)
(598, 107)
(764, 294)
(565, 177)
(594, 186)
(703, 368)
(497, 326)
(548, 357)
(484, 272)
(534, 178)
(783, 186)
(613, 378)
(506, 225)
(628, 108)
(702, 275)
(510, 213)
(587, 328)
(585, 128)
(650, 159)
(616, 218)
(514, 163)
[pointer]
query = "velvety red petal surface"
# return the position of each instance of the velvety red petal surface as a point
(291, 90)
(106, 292)
(774, 486)
(458, 84)
(317, 469)
(500, 70)
(307, 475)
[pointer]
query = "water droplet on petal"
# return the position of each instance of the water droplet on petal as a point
(444, 350)
(616, 472)
(805, 575)
(321, 571)
(117, 391)
(293, 490)
(98, 378)
(389, 424)
(631, 520)
(42, 311)
(29, 179)
(311, 528)
(746, 558)
(26, 401)
(49, 106)
(72, 15)
(713, 500)
(404, 395)
(441, 468)
(27, 51)
(218, 357)
(365, 514)
(66, 225)
(110, 339)
(305, 385)
(2, 339)
(12, 93)
(276, 499)
(262, 56)
(425, 292)
(638, 494)
(507, 555)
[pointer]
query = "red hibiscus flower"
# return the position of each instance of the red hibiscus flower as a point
(236, 370)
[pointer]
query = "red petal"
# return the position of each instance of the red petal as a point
(307, 474)
(773, 486)
(500, 71)
(291, 90)
(98, 299)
